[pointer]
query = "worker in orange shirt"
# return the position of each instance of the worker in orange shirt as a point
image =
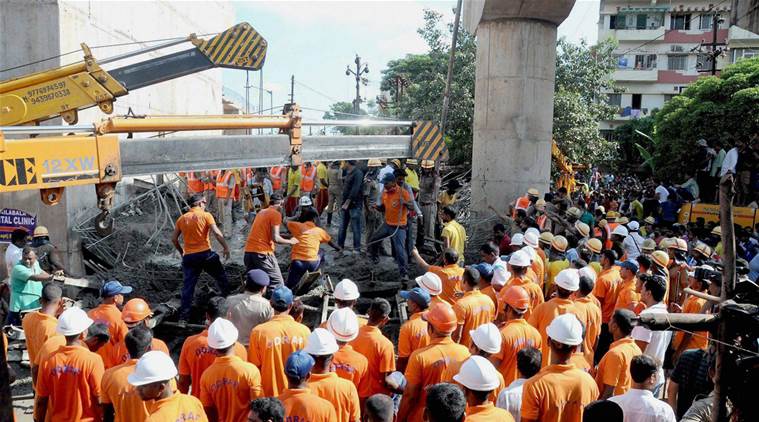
(480, 379)
(432, 284)
(136, 313)
(68, 381)
(537, 265)
(325, 383)
(278, 175)
(413, 334)
(273, 341)
(519, 262)
(300, 403)
(346, 295)
(516, 334)
(346, 362)
(559, 392)
(306, 255)
(229, 385)
(118, 398)
(264, 234)
(377, 348)
(486, 342)
(197, 256)
(40, 325)
(567, 282)
(473, 309)
(485, 285)
(589, 313)
(613, 373)
(426, 366)
(152, 378)
(605, 291)
(196, 355)
(109, 313)
(627, 294)
(307, 179)
(693, 305)
(450, 273)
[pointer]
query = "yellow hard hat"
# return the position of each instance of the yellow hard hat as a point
(574, 212)
(612, 215)
(428, 164)
(717, 231)
(602, 223)
(40, 231)
(533, 192)
(623, 220)
(582, 228)
(648, 245)
(546, 238)
(396, 162)
(703, 249)
(594, 245)
(649, 220)
(559, 243)
(665, 243)
(540, 204)
(412, 162)
(679, 244)
(660, 258)
(374, 163)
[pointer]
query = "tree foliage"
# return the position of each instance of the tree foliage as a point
(634, 149)
(724, 109)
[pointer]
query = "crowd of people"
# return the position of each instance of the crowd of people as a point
(540, 327)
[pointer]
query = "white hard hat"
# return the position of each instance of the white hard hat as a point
(517, 240)
(346, 290)
(519, 259)
(153, 366)
(633, 226)
(343, 324)
(530, 251)
(532, 230)
(221, 334)
(320, 343)
(531, 239)
(305, 201)
(565, 329)
(73, 321)
(500, 276)
(478, 374)
(568, 279)
(431, 282)
(398, 378)
(487, 338)
(620, 230)
(587, 271)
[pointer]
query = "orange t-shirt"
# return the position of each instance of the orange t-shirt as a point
(379, 353)
(271, 343)
(350, 365)
(309, 238)
(538, 267)
(259, 238)
(229, 385)
(692, 305)
(70, 378)
(413, 335)
(473, 310)
(589, 313)
(38, 327)
(626, 295)
(122, 354)
(533, 290)
(515, 336)
(614, 367)
(450, 275)
(178, 407)
(196, 357)
(493, 295)
(48, 347)
(395, 210)
(454, 369)
(578, 360)
(542, 316)
(340, 392)
(304, 405)
(558, 393)
(487, 413)
(426, 367)
(116, 390)
(195, 225)
(110, 315)
(605, 291)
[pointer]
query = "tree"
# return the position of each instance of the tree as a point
(720, 109)
(635, 150)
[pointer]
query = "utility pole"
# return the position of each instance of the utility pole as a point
(247, 96)
(447, 96)
(713, 51)
(292, 89)
(261, 95)
(361, 68)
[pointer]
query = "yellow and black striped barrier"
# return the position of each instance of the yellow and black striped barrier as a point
(427, 142)
(239, 46)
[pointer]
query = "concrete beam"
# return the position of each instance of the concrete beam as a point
(551, 11)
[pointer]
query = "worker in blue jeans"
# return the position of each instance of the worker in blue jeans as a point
(195, 226)
(396, 203)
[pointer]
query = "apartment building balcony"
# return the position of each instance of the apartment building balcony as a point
(632, 34)
(635, 75)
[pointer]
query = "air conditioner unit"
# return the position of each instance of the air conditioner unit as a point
(677, 48)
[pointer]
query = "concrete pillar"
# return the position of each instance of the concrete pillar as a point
(513, 112)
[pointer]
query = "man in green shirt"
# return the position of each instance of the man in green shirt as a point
(26, 285)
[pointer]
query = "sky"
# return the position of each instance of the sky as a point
(316, 40)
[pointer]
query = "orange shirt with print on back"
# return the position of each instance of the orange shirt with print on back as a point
(396, 213)
(48, 348)
(178, 407)
(70, 379)
(310, 237)
(472, 310)
(533, 290)
(195, 226)
(626, 295)
(116, 391)
(350, 365)
(614, 367)
(413, 335)
(605, 291)
(542, 316)
(196, 357)
(426, 366)
(229, 385)
(110, 315)
(122, 354)
(304, 405)
(271, 343)
(260, 239)
(450, 275)
(486, 413)
(516, 335)
(588, 311)
(340, 392)
(38, 327)
(380, 355)
(558, 393)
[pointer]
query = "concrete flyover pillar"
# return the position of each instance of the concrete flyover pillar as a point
(513, 111)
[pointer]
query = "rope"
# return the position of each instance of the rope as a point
(696, 334)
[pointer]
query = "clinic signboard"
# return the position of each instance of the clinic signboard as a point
(12, 219)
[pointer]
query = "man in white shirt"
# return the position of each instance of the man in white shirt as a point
(730, 161)
(528, 364)
(639, 404)
(653, 343)
(13, 252)
(661, 193)
(633, 242)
